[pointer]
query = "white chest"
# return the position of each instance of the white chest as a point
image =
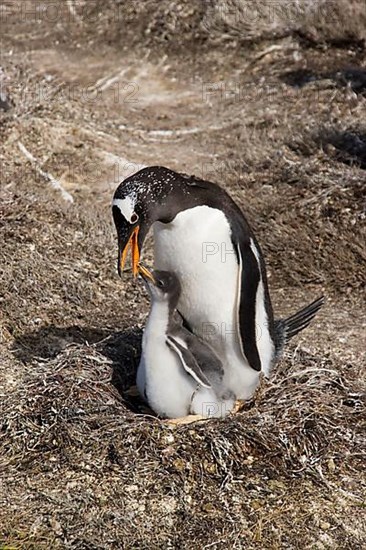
(197, 247)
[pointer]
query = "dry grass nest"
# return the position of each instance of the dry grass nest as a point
(91, 469)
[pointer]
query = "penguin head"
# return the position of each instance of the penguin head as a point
(152, 194)
(163, 286)
(138, 202)
(129, 220)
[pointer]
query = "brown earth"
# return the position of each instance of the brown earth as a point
(271, 106)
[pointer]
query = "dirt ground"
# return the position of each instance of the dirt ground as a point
(269, 101)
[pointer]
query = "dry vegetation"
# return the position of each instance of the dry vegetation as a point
(272, 109)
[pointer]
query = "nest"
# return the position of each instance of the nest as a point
(73, 448)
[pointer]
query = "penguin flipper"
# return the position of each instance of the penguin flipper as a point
(188, 361)
(205, 356)
(248, 280)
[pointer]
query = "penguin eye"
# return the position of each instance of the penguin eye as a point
(160, 283)
(134, 218)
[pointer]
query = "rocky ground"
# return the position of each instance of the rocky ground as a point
(272, 107)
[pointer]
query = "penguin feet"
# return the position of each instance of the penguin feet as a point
(185, 420)
(238, 406)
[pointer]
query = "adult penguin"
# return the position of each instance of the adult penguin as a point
(202, 236)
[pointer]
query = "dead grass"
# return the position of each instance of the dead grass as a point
(178, 26)
(82, 465)
(192, 23)
(101, 473)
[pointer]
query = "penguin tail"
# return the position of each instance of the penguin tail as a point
(300, 320)
(285, 329)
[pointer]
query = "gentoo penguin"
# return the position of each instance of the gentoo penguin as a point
(202, 236)
(178, 373)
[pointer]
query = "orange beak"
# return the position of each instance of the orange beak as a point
(132, 242)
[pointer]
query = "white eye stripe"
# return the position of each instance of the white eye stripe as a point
(126, 207)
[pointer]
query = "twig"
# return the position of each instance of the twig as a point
(53, 181)
(271, 49)
(107, 81)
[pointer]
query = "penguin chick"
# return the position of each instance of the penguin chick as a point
(178, 373)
